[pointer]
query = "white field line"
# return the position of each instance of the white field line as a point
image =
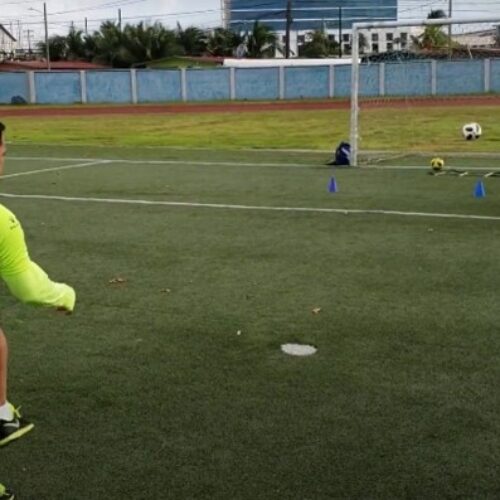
(216, 164)
(54, 169)
(342, 211)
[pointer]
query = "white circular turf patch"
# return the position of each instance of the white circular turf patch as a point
(298, 349)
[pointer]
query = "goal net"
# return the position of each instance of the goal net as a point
(415, 84)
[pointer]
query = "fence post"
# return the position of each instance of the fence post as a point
(232, 83)
(381, 79)
(83, 86)
(32, 87)
(183, 85)
(433, 77)
(331, 81)
(281, 82)
(487, 75)
(133, 85)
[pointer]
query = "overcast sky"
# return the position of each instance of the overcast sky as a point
(24, 15)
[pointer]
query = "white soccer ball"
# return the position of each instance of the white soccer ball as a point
(471, 131)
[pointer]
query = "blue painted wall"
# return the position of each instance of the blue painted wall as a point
(12, 84)
(460, 77)
(495, 75)
(342, 84)
(58, 88)
(158, 85)
(413, 78)
(109, 86)
(306, 82)
(208, 85)
(260, 83)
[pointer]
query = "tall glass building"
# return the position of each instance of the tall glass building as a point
(307, 15)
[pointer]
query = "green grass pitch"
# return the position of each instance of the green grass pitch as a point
(148, 391)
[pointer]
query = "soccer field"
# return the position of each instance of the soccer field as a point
(192, 267)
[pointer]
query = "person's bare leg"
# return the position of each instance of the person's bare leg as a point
(4, 355)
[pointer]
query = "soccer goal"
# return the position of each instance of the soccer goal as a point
(416, 84)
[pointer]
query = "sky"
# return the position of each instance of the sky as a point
(25, 17)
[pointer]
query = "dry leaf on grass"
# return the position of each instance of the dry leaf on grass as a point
(316, 310)
(117, 281)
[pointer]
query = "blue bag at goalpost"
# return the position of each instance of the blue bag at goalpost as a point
(342, 155)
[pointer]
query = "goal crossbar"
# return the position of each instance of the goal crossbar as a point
(356, 27)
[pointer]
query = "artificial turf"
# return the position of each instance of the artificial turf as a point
(148, 390)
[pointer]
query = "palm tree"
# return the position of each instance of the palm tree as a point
(193, 40)
(57, 47)
(146, 43)
(433, 37)
(75, 44)
(262, 42)
(223, 42)
(108, 44)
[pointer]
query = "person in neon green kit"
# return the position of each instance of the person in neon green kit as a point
(30, 284)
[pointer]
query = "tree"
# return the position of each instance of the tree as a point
(109, 48)
(192, 40)
(433, 37)
(436, 14)
(318, 45)
(222, 42)
(57, 47)
(75, 45)
(261, 42)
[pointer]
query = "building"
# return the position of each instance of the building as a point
(332, 16)
(7, 42)
(479, 39)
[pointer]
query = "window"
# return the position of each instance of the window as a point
(389, 46)
(404, 45)
(301, 39)
(404, 37)
(389, 37)
(375, 47)
(331, 38)
(345, 38)
(374, 37)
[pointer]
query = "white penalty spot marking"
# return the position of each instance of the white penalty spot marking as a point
(298, 349)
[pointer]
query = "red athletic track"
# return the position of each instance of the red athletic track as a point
(143, 109)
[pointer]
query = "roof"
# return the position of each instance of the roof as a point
(54, 65)
(7, 32)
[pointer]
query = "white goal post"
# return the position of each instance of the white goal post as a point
(355, 65)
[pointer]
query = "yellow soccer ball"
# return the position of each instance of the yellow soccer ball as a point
(437, 164)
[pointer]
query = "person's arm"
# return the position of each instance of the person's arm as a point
(25, 279)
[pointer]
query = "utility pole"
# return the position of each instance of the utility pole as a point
(450, 13)
(19, 35)
(47, 50)
(86, 27)
(29, 40)
(120, 19)
(289, 20)
(340, 31)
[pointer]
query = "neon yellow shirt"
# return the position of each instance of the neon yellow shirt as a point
(25, 279)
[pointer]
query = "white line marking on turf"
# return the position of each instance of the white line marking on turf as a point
(167, 162)
(54, 169)
(229, 164)
(343, 211)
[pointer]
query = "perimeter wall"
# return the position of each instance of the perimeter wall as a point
(414, 78)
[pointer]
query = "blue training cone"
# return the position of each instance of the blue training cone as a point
(332, 186)
(479, 190)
